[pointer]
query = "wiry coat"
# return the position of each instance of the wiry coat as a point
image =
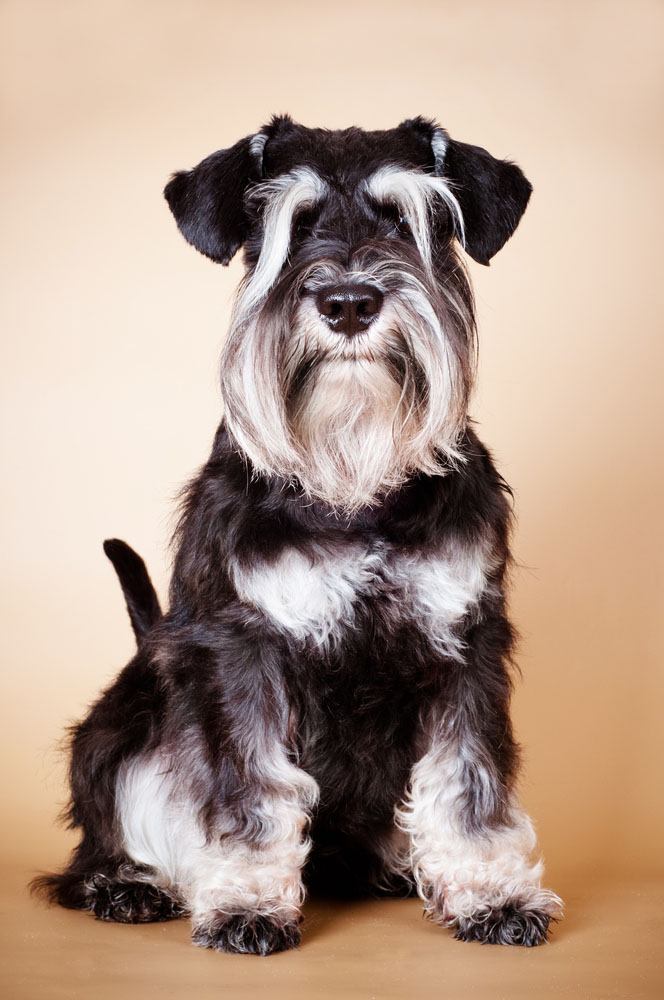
(326, 699)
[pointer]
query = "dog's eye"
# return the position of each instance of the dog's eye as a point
(304, 222)
(402, 226)
(392, 213)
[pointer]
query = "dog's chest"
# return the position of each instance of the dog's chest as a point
(315, 595)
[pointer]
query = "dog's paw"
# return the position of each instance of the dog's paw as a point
(130, 902)
(248, 934)
(504, 925)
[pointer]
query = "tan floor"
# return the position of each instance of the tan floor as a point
(609, 946)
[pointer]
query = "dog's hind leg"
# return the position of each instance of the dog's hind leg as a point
(110, 888)
(99, 877)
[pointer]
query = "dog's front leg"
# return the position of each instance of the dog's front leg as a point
(471, 844)
(247, 892)
(245, 888)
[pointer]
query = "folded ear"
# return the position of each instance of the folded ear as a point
(208, 201)
(492, 193)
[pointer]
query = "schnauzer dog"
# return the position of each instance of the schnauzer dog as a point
(326, 701)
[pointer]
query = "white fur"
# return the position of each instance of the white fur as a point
(282, 197)
(459, 874)
(439, 144)
(313, 595)
(415, 193)
(355, 430)
(156, 830)
(250, 365)
(310, 596)
(221, 874)
(257, 145)
(350, 428)
(352, 420)
(443, 588)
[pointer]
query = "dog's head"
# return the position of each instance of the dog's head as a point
(350, 356)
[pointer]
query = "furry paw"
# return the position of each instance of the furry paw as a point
(130, 902)
(505, 925)
(247, 934)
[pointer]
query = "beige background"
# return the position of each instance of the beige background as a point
(111, 332)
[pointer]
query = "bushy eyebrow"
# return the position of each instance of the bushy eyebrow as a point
(282, 196)
(415, 193)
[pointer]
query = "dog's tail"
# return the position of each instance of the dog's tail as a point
(140, 596)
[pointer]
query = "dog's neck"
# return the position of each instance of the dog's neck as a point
(406, 502)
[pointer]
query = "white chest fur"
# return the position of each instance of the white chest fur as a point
(441, 589)
(311, 594)
(314, 594)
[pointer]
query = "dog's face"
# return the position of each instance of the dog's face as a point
(350, 356)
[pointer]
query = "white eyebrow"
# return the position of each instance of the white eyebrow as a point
(415, 194)
(283, 196)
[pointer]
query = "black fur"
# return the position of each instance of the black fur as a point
(239, 934)
(214, 678)
(493, 195)
(140, 596)
(210, 209)
(208, 202)
(131, 902)
(510, 925)
(209, 664)
(122, 894)
(358, 705)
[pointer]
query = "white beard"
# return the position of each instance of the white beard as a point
(349, 424)
(356, 427)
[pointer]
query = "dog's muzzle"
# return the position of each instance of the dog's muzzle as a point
(349, 309)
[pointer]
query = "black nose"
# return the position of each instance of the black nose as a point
(349, 309)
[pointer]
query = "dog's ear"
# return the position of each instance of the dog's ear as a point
(492, 193)
(208, 201)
